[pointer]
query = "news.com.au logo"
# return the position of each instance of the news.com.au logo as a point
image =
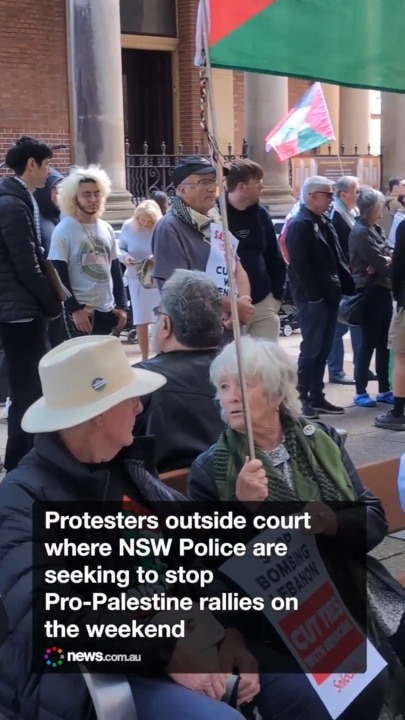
(54, 656)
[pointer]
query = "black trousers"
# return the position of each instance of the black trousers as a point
(374, 336)
(4, 392)
(103, 323)
(318, 326)
(57, 331)
(24, 345)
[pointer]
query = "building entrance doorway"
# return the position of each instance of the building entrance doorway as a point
(148, 99)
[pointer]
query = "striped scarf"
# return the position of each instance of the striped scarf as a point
(194, 219)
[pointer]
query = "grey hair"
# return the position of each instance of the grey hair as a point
(367, 198)
(313, 183)
(266, 360)
(194, 305)
(344, 184)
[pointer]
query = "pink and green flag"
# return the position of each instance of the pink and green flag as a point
(306, 126)
(348, 42)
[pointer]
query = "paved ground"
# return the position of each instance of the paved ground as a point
(365, 443)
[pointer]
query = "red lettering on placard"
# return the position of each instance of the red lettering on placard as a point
(322, 632)
(343, 681)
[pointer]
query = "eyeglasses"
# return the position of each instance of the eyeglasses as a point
(322, 192)
(157, 312)
(202, 183)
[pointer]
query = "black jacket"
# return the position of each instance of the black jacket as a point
(317, 269)
(182, 415)
(24, 289)
(258, 250)
(50, 473)
(343, 231)
(368, 246)
(398, 266)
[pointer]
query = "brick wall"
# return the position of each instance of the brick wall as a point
(239, 110)
(33, 72)
(190, 131)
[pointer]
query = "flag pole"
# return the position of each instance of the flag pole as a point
(228, 247)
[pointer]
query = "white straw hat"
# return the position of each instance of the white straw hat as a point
(82, 378)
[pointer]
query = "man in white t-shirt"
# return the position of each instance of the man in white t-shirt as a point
(84, 252)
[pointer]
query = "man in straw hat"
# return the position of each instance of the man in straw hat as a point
(84, 452)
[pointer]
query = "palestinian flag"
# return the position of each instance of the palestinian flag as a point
(305, 127)
(348, 42)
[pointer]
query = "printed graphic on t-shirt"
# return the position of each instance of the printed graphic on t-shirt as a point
(95, 260)
(88, 252)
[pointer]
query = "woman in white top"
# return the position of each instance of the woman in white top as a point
(136, 245)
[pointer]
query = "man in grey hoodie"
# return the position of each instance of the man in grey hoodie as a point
(48, 208)
(50, 216)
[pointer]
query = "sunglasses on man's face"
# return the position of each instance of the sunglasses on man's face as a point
(323, 192)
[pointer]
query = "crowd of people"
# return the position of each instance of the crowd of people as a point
(85, 425)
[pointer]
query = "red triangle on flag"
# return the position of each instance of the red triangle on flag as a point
(227, 15)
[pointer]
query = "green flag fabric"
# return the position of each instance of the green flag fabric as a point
(348, 42)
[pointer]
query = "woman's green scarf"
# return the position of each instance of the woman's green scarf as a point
(315, 461)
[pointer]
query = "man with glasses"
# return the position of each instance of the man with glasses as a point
(183, 417)
(189, 236)
(319, 276)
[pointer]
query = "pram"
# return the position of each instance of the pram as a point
(288, 320)
(288, 314)
(129, 329)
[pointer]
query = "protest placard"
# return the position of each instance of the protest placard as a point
(321, 633)
(217, 268)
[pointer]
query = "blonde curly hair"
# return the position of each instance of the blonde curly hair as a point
(69, 188)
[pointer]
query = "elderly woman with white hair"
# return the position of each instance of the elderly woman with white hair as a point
(297, 460)
(371, 269)
(136, 247)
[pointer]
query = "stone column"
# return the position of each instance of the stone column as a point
(392, 135)
(266, 102)
(332, 95)
(97, 109)
(354, 120)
